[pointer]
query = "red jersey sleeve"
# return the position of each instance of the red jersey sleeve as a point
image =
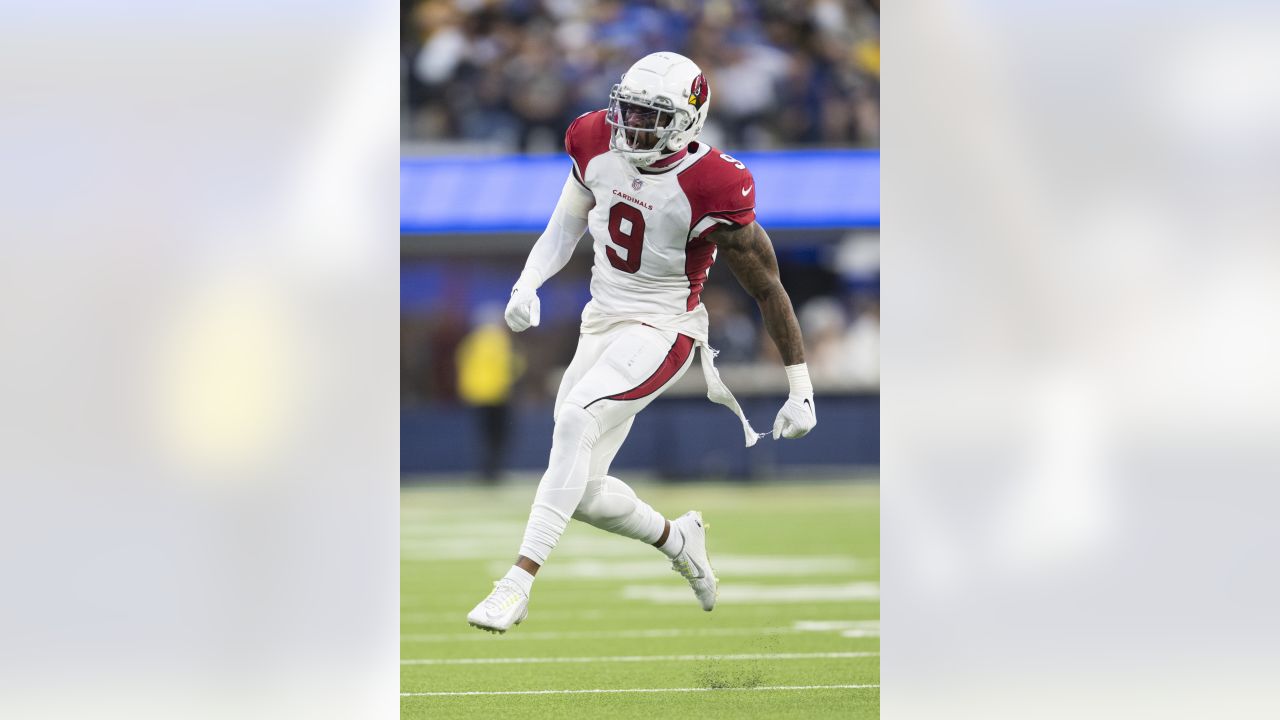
(586, 138)
(720, 189)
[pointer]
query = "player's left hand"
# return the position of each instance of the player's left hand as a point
(523, 309)
(796, 418)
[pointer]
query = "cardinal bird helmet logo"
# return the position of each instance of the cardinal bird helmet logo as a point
(698, 92)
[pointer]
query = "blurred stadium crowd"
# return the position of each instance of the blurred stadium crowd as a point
(511, 74)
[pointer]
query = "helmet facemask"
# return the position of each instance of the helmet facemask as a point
(643, 124)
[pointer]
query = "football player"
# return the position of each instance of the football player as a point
(660, 207)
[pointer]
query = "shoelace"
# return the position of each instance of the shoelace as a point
(504, 595)
(682, 565)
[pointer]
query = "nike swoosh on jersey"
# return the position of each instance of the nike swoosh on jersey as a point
(746, 190)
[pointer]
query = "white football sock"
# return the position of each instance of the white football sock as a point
(562, 485)
(674, 544)
(521, 577)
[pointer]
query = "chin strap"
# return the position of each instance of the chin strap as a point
(670, 159)
(638, 158)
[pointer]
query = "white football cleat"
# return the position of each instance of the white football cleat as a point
(507, 605)
(693, 562)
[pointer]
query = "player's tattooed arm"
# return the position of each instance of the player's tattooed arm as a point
(749, 253)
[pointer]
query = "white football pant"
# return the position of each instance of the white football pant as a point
(613, 376)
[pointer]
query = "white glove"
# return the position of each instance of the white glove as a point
(797, 416)
(523, 309)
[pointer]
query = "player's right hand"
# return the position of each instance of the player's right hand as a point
(523, 309)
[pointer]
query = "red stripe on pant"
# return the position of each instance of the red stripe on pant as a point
(675, 360)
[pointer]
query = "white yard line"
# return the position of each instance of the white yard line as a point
(846, 628)
(636, 658)
(595, 634)
(747, 594)
(635, 690)
(834, 625)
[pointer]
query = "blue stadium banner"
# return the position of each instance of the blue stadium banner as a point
(795, 189)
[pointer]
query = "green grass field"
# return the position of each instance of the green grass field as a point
(799, 608)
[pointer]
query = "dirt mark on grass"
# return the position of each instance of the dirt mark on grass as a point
(725, 674)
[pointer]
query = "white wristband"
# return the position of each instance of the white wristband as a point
(798, 380)
(529, 280)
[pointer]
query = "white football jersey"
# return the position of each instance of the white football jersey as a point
(649, 225)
